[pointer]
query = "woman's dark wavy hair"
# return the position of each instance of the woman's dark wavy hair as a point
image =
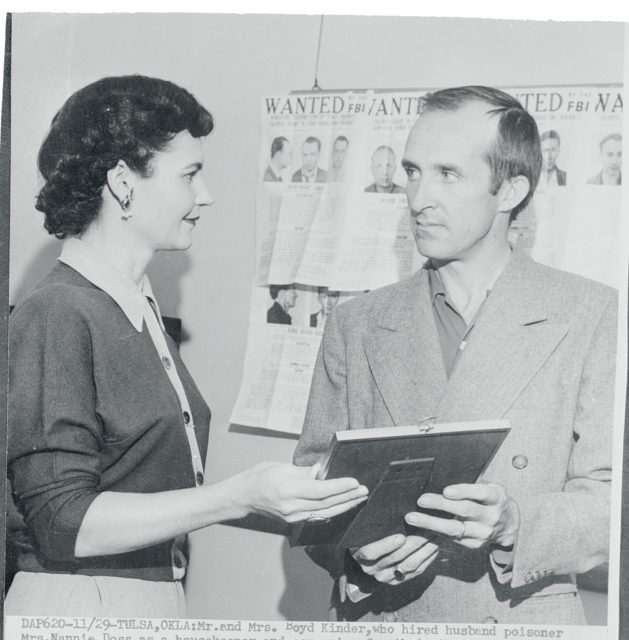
(128, 118)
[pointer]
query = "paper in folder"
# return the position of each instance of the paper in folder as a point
(397, 465)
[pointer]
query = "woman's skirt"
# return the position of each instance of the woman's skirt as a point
(54, 594)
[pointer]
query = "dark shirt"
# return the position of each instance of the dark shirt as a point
(91, 409)
(452, 329)
(277, 315)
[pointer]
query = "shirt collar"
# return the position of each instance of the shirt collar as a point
(434, 282)
(99, 269)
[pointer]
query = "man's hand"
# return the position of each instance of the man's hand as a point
(484, 514)
(395, 559)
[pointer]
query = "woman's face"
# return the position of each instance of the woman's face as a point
(166, 205)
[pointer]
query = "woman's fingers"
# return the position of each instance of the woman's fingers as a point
(327, 513)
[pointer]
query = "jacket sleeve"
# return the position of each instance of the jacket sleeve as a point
(568, 531)
(326, 413)
(54, 431)
(327, 404)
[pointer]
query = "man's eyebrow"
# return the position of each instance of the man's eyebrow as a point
(407, 164)
(448, 167)
(194, 165)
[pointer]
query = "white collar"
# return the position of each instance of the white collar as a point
(102, 272)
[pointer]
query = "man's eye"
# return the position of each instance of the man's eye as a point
(412, 173)
(449, 176)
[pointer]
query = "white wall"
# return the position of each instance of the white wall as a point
(229, 62)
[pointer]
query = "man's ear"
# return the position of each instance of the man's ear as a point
(120, 181)
(512, 192)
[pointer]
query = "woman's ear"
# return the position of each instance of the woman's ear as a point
(120, 184)
(512, 192)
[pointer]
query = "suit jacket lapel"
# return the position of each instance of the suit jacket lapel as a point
(510, 342)
(405, 356)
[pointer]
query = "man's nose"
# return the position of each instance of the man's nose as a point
(418, 194)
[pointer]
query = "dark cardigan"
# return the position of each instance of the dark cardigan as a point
(91, 409)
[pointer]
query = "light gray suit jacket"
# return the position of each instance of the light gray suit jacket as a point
(542, 355)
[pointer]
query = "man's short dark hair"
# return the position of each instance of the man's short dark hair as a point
(274, 289)
(311, 139)
(340, 139)
(277, 145)
(551, 134)
(607, 138)
(516, 150)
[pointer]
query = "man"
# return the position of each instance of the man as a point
(551, 174)
(611, 160)
(383, 164)
(339, 149)
(480, 332)
(281, 153)
(327, 300)
(310, 172)
(284, 297)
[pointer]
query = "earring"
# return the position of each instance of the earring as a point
(125, 205)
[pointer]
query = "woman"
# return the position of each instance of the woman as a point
(107, 429)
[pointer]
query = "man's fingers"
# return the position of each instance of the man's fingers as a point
(416, 561)
(483, 493)
(375, 550)
(467, 509)
(444, 526)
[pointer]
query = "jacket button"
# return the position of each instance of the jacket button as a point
(490, 620)
(520, 462)
(199, 478)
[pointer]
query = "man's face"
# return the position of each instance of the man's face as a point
(550, 151)
(452, 210)
(328, 300)
(290, 297)
(284, 155)
(383, 168)
(611, 155)
(309, 155)
(338, 153)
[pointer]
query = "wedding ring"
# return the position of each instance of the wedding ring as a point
(313, 517)
(399, 575)
(461, 534)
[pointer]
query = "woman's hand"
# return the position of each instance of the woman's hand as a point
(292, 493)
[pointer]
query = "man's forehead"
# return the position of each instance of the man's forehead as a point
(383, 155)
(472, 126)
(612, 145)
